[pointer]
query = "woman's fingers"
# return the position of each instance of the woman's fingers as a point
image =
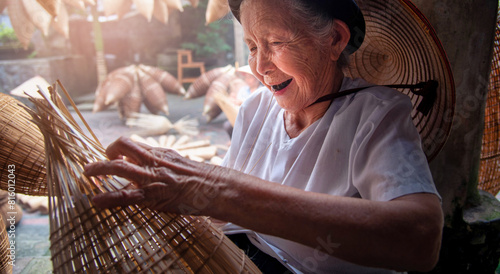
(139, 154)
(122, 168)
(163, 177)
(123, 197)
(155, 196)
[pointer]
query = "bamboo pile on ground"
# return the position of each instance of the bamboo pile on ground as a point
(127, 239)
(130, 86)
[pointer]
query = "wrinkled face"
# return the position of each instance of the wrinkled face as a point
(283, 57)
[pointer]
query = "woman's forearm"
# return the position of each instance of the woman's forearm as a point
(401, 234)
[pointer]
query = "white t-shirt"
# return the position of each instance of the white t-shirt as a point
(365, 146)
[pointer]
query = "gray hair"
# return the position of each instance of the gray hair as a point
(318, 26)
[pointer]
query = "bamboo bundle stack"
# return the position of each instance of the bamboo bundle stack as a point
(229, 108)
(218, 82)
(216, 9)
(22, 152)
(133, 85)
(112, 6)
(160, 11)
(131, 102)
(154, 96)
(20, 21)
(174, 5)
(167, 80)
(219, 86)
(145, 7)
(118, 7)
(128, 239)
(200, 86)
(28, 15)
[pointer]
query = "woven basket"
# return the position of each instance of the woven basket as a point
(5, 262)
(132, 239)
(22, 152)
(489, 175)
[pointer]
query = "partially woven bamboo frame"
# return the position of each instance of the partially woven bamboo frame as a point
(123, 240)
(5, 262)
(21, 146)
(489, 174)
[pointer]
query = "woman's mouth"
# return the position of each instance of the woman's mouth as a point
(282, 85)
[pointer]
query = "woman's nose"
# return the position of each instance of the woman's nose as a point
(264, 62)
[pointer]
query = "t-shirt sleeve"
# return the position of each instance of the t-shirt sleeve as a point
(389, 161)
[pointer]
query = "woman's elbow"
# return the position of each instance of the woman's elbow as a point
(428, 244)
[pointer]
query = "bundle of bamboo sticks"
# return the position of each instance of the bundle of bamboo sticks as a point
(128, 239)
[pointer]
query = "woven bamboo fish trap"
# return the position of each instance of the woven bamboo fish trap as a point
(401, 47)
(5, 261)
(21, 147)
(85, 239)
(489, 174)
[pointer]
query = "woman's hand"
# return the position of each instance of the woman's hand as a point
(163, 179)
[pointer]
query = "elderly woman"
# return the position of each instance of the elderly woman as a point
(332, 185)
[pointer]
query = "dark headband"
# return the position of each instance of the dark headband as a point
(344, 10)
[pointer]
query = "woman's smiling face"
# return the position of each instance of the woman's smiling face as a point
(283, 57)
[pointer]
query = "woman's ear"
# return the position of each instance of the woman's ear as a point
(341, 36)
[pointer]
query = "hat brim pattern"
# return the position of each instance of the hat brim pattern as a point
(401, 47)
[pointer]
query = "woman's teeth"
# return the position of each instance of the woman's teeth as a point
(282, 85)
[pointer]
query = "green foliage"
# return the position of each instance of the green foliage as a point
(7, 35)
(32, 55)
(205, 41)
(211, 41)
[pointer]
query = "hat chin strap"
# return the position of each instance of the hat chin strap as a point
(428, 90)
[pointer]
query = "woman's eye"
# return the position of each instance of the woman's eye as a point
(251, 47)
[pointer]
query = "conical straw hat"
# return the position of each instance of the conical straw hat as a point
(22, 154)
(401, 47)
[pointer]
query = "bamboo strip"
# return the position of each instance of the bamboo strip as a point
(194, 144)
(184, 139)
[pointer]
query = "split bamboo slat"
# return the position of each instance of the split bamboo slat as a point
(85, 239)
(489, 174)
